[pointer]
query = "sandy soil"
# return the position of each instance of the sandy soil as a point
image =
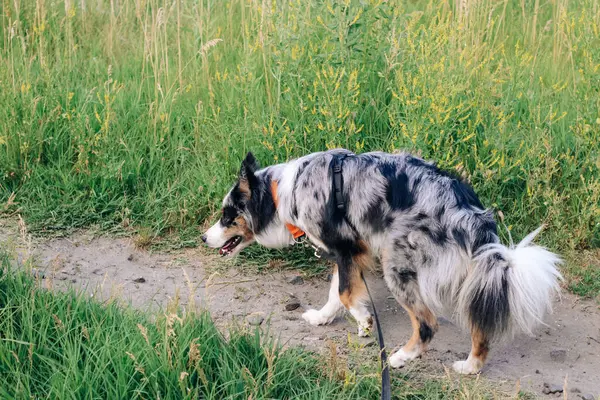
(568, 349)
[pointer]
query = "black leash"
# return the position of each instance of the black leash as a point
(338, 185)
(386, 392)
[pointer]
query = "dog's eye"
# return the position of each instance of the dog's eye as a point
(234, 223)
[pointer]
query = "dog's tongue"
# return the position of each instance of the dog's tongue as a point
(227, 246)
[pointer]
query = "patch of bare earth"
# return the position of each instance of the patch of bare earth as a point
(564, 354)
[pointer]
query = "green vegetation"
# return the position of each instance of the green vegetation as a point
(584, 271)
(66, 345)
(137, 113)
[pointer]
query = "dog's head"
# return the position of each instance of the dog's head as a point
(233, 232)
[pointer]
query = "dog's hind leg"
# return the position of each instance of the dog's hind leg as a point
(331, 309)
(401, 279)
(479, 351)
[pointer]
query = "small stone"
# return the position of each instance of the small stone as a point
(575, 390)
(255, 319)
(141, 279)
(73, 281)
(297, 280)
(546, 389)
(551, 389)
(131, 257)
(292, 305)
(558, 355)
(588, 396)
(329, 277)
(537, 371)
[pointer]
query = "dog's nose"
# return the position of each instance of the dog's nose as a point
(203, 238)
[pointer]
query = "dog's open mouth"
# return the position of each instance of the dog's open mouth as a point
(230, 245)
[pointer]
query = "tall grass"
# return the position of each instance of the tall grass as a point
(138, 112)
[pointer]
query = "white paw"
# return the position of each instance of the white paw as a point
(365, 327)
(407, 355)
(316, 318)
(395, 361)
(466, 367)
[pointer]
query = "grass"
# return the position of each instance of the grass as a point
(584, 270)
(66, 345)
(135, 114)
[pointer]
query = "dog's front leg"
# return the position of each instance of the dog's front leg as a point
(353, 291)
(347, 290)
(330, 310)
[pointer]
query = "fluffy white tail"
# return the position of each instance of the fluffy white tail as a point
(510, 288)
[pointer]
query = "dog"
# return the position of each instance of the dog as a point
(437, 245)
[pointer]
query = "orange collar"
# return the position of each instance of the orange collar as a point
(294, 230)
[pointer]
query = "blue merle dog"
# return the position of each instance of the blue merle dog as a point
(437, 245)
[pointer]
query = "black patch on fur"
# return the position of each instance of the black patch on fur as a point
(440, 212)
(398, 195)
(261, 205)
(301, 169)
(463, 192)
(421, 217)
(345, 251)
(437, 236)
(238, 199)
(484, 234)
(406, 276)
(460, 237)
(229, 215)
(465, 195)
(425, 259)
(376, 217)
(344, 263)
(489, 310)
(401, 244)
(425, 332)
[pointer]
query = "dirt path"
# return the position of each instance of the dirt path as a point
(568, 348)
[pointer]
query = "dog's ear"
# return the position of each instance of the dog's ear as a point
(247, 178)
(249, 165)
